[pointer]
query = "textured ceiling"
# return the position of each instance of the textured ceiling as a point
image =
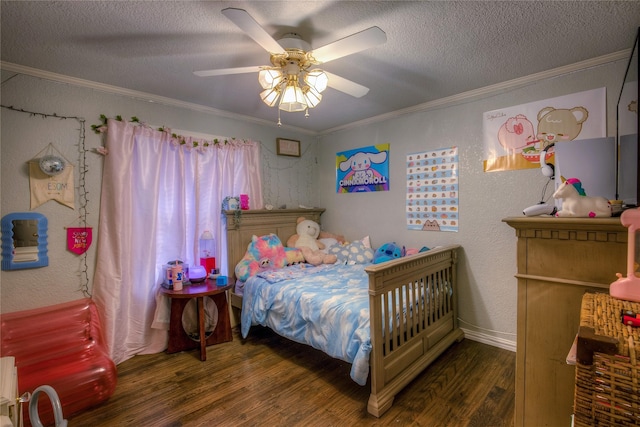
(433, 50)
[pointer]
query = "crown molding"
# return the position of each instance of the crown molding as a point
(141, 96)
(438, 103)
(488, 90)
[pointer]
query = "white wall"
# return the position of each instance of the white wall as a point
(287, 180)
(487, 294)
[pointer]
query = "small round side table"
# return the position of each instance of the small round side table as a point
(179, 340)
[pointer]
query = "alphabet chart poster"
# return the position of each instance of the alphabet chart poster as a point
(363, 169)
(432, 190)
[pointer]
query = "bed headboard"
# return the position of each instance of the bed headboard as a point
(240, 229)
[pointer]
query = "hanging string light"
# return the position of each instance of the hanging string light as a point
(82, 189)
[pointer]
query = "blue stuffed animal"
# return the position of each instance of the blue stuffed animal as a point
(387, 252)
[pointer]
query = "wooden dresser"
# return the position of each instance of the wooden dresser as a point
(559, 259)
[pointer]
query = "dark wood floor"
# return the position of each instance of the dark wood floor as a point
(270, 381)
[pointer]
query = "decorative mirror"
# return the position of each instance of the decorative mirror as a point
(24, 241)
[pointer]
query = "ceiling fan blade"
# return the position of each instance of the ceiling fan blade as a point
(347, 86)
(357, 42)
(225, 71)
(246, 23)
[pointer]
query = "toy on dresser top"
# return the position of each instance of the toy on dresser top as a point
(575, 202)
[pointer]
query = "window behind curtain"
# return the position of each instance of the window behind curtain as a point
(158, 195)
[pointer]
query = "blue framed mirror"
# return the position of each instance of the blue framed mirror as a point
(24, 241)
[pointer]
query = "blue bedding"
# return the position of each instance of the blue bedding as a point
(326, 307)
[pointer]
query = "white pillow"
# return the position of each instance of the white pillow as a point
(327, 242)
(353, 253)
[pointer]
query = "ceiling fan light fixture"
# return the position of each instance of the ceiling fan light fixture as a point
(269, 78)
(317, 79)
(292, 97)
(311, 96)
(270, 96)
(288, 82)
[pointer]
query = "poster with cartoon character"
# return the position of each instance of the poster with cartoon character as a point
(363, 169)
(432, 190)
(514, 137)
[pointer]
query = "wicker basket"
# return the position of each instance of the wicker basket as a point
(607, 392)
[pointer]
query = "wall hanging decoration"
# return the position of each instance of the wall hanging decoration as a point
(24, 241)
(82, 174)
(363, 169)
(432, 190)
(514, 137)
(79, 239)
(51, 178)
(287, 147)
(286, 180)
(52, 164)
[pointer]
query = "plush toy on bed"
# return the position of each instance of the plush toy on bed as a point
(294, 256)
(263, 252)
(306, 239)
(387, 252)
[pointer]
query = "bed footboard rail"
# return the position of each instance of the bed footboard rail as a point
(413, 316)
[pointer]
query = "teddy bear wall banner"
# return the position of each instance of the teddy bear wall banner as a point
(514, 137)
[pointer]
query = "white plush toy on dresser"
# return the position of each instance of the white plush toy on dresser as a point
(577, 204)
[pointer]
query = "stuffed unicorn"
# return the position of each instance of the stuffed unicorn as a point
(576, 203)
(263, 252)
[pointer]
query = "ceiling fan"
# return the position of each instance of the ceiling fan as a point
(291, 82)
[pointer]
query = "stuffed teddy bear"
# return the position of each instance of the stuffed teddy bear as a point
(263, 252)
(306, 239)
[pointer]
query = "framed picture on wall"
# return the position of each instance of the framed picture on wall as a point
(288, 147)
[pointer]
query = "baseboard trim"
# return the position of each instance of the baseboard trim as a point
(489, 339)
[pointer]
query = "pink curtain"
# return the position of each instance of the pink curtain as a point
(158, 196)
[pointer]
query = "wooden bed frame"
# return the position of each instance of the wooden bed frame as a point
(406, 347)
